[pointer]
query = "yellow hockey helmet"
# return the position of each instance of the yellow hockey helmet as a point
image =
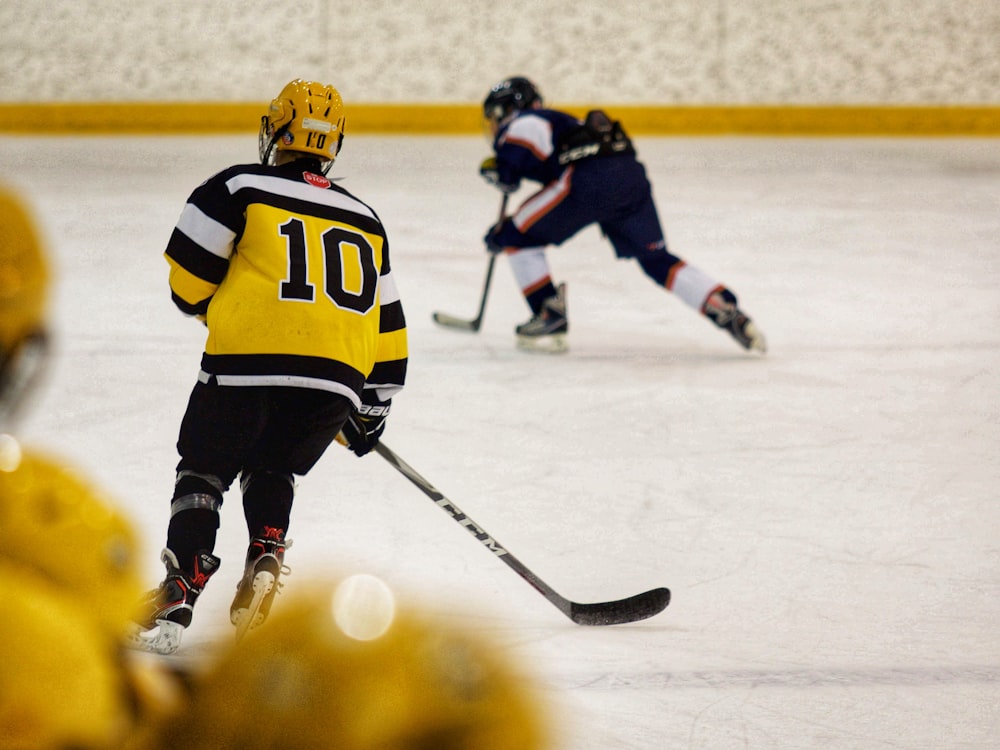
(24, 286)
(61, 685)
(307, 684)
(306, 117)
(60, 528)
(24, 273)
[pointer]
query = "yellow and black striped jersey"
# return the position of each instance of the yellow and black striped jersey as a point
(292, 276)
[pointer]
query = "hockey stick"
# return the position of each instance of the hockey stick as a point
(634, 608)
(463, 324)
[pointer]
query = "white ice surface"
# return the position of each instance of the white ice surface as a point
(827, 516)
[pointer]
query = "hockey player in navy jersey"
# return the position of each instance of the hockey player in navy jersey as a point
(589, 174)
(306, 341)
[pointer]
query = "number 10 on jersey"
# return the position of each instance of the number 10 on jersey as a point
(350, 275)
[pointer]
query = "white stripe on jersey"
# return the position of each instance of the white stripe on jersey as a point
(288, 381)
(298, 191)
(384, 391)
(543, 201)
(533, 132)
(206, 232)
(387, 291)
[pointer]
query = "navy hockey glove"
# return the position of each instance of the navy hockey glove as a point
(491, 173)
(492, 239)
(362, 430)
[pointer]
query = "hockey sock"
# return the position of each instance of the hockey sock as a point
(537, 296)
(267, 500)
(531, 273)
(691, 284)
(658, 266)
(190, 532)
(194, 517)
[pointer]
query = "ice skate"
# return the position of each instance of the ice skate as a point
(166, 611)
(721, 309)
(260, 583)
(546, 331)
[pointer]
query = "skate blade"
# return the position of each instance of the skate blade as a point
(163, 639)
(247, 619)
(757, 341)
(553, 344)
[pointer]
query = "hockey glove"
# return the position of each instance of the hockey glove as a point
(364, 427)
(491, 173)
(492, 239)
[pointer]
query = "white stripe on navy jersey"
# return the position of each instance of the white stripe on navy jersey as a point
(533, 131)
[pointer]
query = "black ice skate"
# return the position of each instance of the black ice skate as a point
(721, 309)
(256, 590)
(167, 609)
(546, 331)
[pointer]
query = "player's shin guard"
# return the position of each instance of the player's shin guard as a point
(194, 514)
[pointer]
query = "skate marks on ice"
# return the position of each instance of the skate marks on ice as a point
(805, 677)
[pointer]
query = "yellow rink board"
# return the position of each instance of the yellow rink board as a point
(180, 118)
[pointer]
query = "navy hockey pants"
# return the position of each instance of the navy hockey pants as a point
(612, 192)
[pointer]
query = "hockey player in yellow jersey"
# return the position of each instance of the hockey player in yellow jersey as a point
(69, 575)
(306, 339)
(78, 541)
(24, 292)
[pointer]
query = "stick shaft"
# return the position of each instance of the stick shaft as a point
(450, 321)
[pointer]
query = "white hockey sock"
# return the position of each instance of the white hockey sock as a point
(530, 267)
(692, 285)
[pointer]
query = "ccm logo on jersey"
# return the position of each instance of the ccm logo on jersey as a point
(317, 180)
(374, 411)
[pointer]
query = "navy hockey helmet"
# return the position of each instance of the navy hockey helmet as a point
(509, 96)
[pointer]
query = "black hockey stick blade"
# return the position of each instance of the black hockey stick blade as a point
(634, 608)
(459, 324)
(639, 607)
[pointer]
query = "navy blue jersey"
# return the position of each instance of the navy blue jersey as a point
(527, 147)
(612, 192)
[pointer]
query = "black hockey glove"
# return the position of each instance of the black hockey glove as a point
(491, 173)
(491, 239)
(364, 427)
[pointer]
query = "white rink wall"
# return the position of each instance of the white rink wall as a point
(451, 51)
